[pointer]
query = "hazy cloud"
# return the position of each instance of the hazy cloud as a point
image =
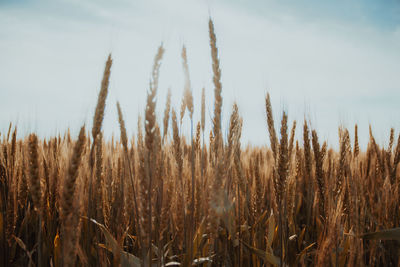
(331, 63)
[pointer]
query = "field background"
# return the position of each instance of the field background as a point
(216, 173)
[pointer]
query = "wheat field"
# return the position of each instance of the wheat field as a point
(163, 199)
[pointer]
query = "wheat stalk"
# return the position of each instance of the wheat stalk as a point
(101, 100)
(271, 128)
(69, 218)
(34, 178)
(356, 146)
(166, 114)
(217, 84)
(319, 173)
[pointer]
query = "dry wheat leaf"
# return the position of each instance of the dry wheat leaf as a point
(266, 256)
(127, 259)
(389, 234)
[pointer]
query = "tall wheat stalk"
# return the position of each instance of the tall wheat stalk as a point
(150, 153)
(69, 214)
(35, 187)
(124, 140)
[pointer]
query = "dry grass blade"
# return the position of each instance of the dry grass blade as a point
(389, 234)
(126, 258)
(264, 255)
(303, 252)
(28, 253)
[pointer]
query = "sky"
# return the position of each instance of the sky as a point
(330, 62)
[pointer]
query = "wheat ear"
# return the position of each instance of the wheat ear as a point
(69, 220)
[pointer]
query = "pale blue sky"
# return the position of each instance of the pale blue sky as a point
(331, 61)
